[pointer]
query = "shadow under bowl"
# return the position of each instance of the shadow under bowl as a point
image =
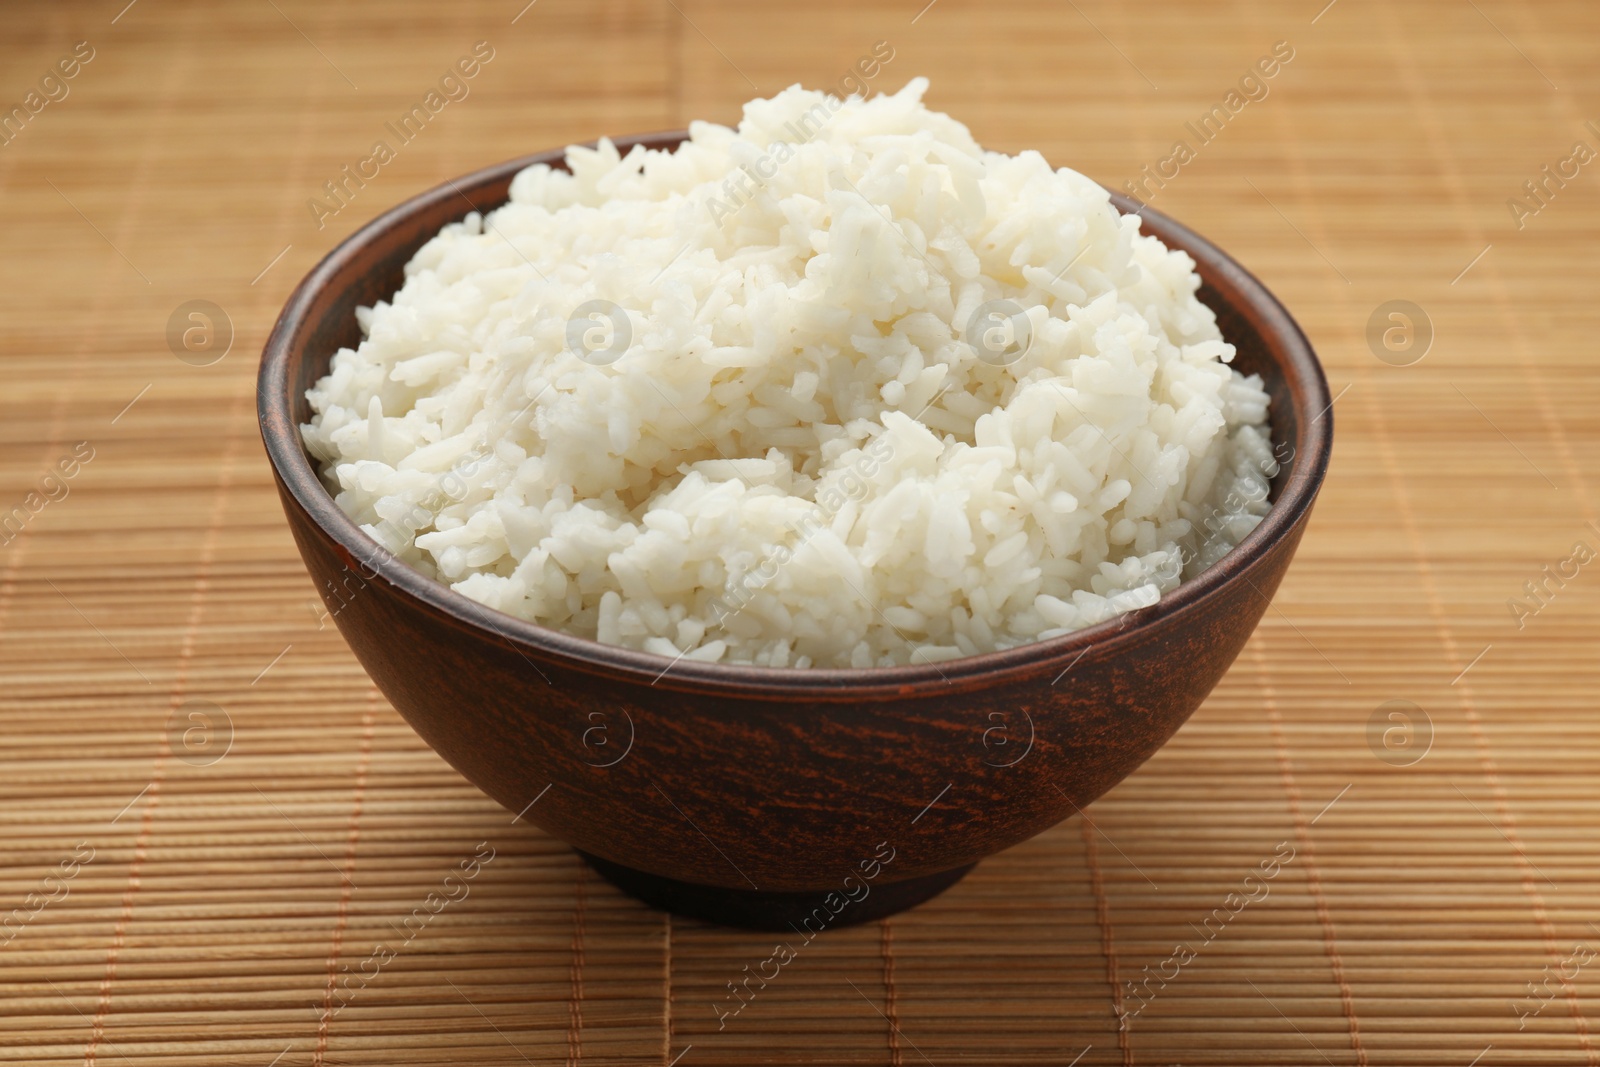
(768, 797)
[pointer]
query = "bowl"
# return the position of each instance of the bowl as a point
(768, 797)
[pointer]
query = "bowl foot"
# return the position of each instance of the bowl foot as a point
(757, 910)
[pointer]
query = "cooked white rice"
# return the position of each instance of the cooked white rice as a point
(804, 457)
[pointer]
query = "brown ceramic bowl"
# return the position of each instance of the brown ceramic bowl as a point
(761, 796)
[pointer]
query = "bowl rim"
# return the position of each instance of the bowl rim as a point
(297, 477)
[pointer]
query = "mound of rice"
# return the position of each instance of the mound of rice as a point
(753, 401)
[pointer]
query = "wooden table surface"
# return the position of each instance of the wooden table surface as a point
(210, 821)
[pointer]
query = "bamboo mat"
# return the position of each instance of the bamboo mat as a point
(220, 822)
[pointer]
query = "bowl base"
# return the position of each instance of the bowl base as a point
(756, 910)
